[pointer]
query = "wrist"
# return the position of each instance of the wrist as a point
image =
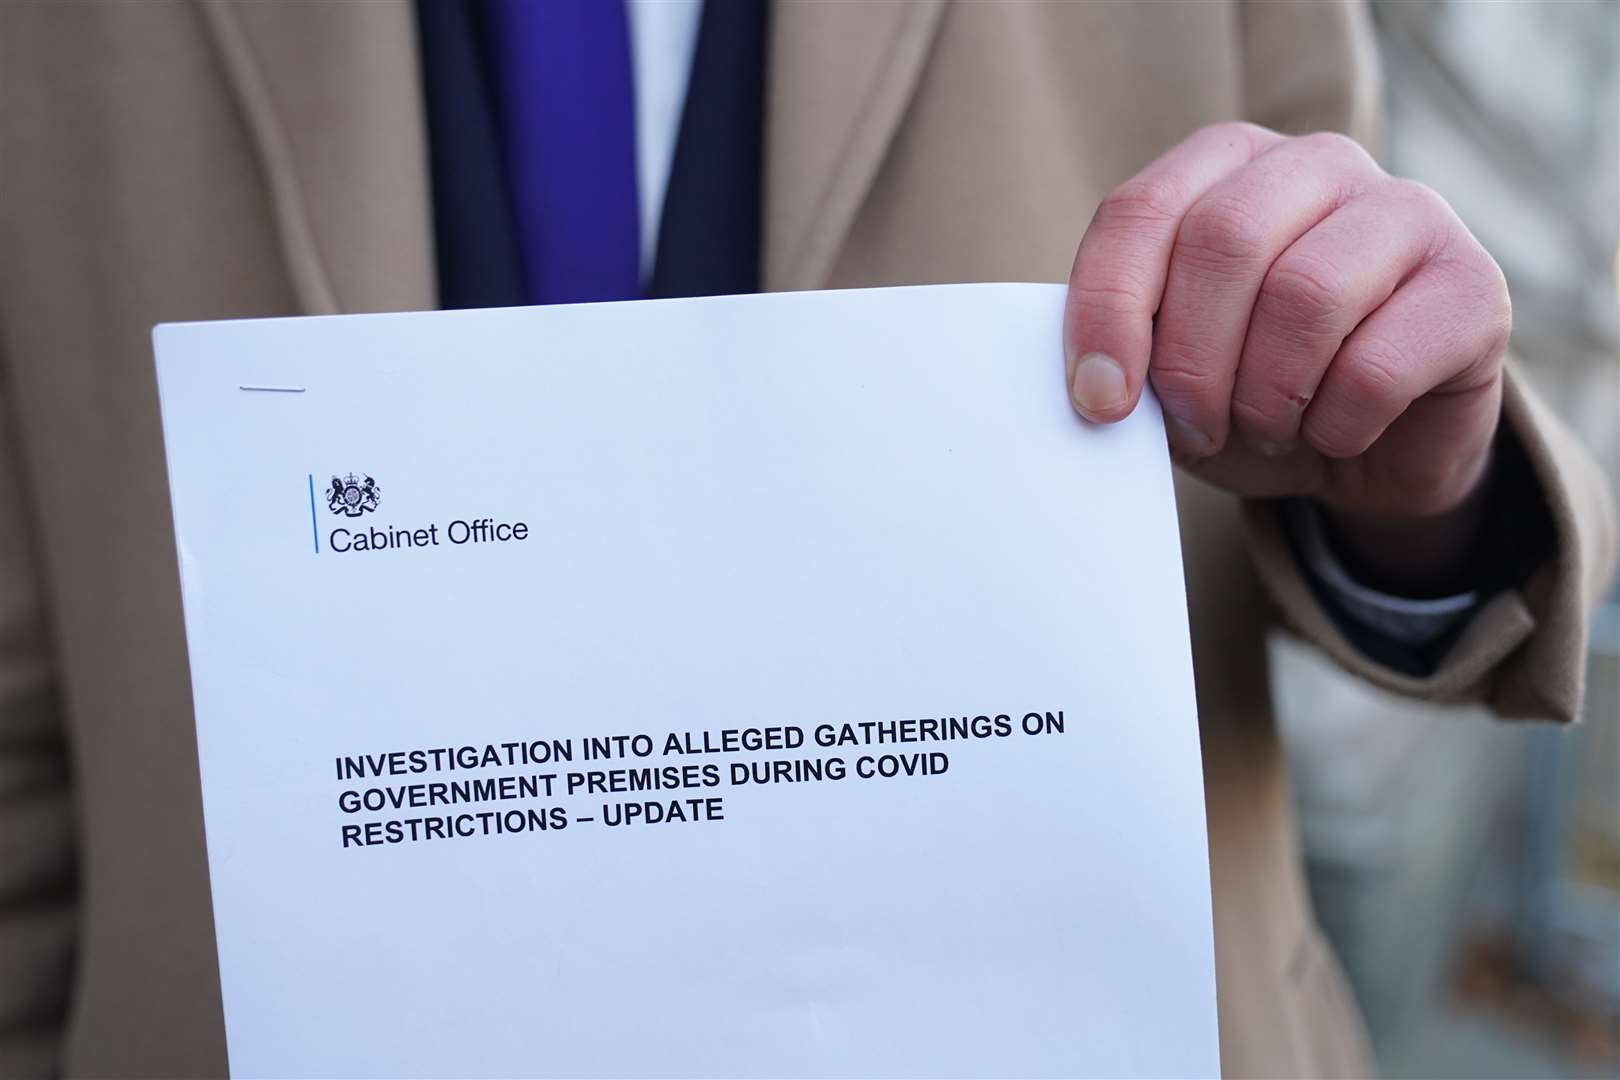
(1419, 555)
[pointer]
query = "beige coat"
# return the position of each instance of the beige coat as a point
(179, 160)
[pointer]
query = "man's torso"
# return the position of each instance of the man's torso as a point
(180, 161)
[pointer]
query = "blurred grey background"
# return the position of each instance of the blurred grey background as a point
(1467, 870)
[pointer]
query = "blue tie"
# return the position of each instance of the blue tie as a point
(560, 71)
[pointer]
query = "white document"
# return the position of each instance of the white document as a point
(785, 685)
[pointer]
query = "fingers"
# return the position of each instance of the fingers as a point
(1426, 342)
(1315, 294)
(1119, 272)
(1227, 243)
(1288, 291)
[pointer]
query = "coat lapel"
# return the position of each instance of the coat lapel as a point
(330, 96)
(839, 77)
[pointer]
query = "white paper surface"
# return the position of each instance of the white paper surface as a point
(765, 512)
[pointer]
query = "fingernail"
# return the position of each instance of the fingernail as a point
(1187, 440)
(1098, 384)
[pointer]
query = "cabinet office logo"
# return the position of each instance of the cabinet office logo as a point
(352, 495)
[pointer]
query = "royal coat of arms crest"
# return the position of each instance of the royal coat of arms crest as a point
(353, 495)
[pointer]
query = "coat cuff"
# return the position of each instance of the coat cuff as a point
(1523, 653)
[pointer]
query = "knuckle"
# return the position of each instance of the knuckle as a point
(1501, 321)
(1306, 292)
(1340, 146)
(1418, 194)
(1229, 130)
(1486, 363)
(1266, 413)
(1471, 270)
(1428, 213)
(1141, 200)
(1118, 297)
(1493, 286)
(1222, 230)
(1183, 371)
(1498, 285)
(1375, 374)
(1333, 435)
(1474, 283)
(1496, 319)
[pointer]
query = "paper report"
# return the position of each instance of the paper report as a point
(787, 685)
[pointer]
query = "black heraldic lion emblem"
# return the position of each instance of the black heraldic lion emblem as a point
(353, 495)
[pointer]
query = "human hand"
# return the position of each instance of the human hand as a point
(1312, 326)
(1309, 324)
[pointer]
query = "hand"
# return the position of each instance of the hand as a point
(1312, 327)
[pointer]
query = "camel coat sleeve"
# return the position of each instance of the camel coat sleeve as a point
(1523, 653)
